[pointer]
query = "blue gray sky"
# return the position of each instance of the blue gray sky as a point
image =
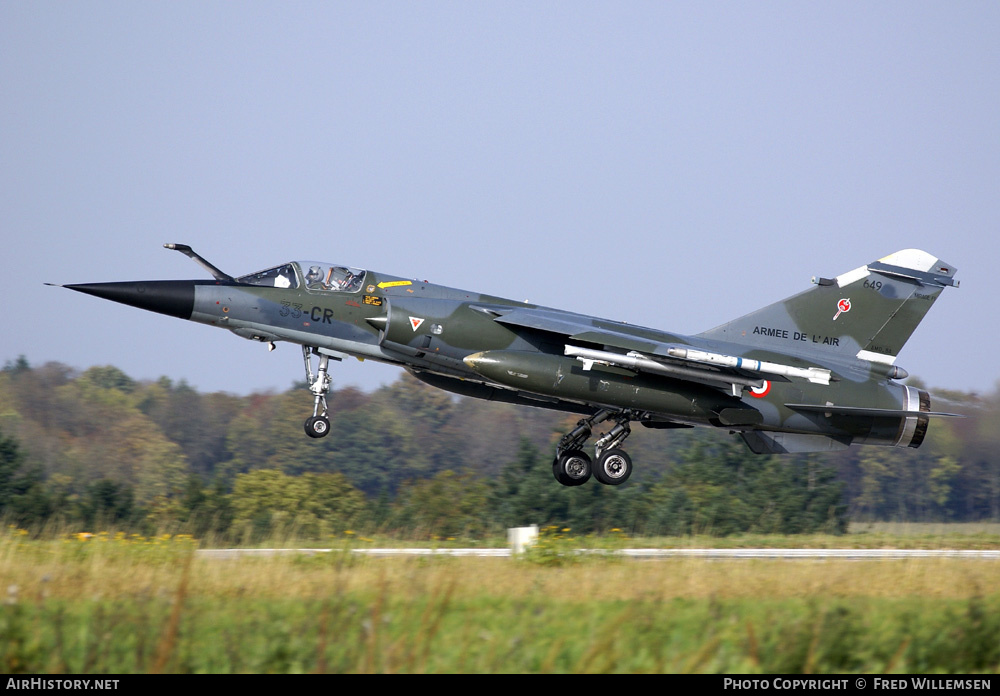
(667, 164)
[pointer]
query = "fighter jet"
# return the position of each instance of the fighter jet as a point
(814, 372)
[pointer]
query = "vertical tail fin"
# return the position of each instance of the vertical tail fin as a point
(869, 312)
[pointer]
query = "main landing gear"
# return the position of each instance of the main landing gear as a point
(572, 466)
(319, 384)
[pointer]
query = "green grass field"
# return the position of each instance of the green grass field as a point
(122, 604)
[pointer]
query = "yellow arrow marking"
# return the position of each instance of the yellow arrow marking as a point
(395, 283)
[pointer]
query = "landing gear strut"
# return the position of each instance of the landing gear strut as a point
(319, 384)
(572, 466)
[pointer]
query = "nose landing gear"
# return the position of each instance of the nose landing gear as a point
(319, 385)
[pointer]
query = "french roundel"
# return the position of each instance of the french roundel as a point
(761, 391)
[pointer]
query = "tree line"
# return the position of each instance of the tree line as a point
(99, 449)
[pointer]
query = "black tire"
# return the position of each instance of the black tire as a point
(572, 468)
(557, 473)
(613, 467)
(317, 426)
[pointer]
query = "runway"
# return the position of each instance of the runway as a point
(648, 554)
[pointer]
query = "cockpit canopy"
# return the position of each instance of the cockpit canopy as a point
(323, 276)
(277, 277)
(314, 275)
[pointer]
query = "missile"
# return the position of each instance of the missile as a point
(638, 361)
(816, 375)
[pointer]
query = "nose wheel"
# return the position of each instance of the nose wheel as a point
(318, 425)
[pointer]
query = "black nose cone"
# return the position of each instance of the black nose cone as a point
(173, 297)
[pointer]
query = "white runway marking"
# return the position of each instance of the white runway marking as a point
(714, 554)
